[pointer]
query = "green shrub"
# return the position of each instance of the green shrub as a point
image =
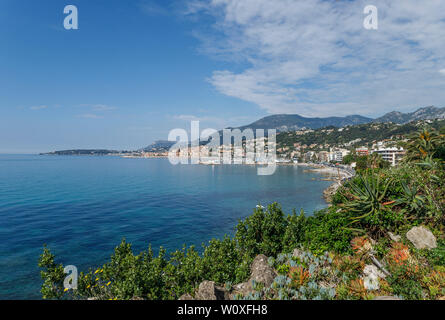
(262, 232)
(327, 231)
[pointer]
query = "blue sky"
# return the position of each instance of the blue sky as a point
(134, 70)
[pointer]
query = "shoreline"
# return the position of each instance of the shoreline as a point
(341, 175)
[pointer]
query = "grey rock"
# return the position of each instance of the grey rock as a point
(422, 238)
(394, 237)
(297, 252)
(243, 289)
(372, 270)
(208, 291)
(261, 271)
(371, 275)
(186, 296)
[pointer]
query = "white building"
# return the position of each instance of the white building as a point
(392, 155)
(338, 154)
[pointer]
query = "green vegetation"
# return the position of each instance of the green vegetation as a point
(359, 135)
(334, 245)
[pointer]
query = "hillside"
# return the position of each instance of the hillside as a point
(353, 136)
(420, 114)
(293, 122)
(289, 122)
(84, 152)
(159, 146)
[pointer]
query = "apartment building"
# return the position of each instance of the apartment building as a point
(392, 155)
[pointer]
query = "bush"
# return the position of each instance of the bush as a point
(262, 232)
(223, 262)
(327, 231)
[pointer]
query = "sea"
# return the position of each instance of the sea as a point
(81, 207)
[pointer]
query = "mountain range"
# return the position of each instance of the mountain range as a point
(426, 113)
(292, 122)
(158, 146)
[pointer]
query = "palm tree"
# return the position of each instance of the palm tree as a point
(376, 161)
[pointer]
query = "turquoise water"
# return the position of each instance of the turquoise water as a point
(82, 207)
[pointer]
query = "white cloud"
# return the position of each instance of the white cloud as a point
(314, 57)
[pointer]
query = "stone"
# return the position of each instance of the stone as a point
(186, 296)
(208, 291)
(422, 238)
(371, 275)
(297, 253)
(371, 269)
(261, 271)
(386, 298)
(243, 289)
(394, 237)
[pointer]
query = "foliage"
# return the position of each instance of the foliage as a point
(52, 275)
(423, 145)
(378, 200)
(262, 231)
(326, 231)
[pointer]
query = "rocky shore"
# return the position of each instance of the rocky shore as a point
(336, 174)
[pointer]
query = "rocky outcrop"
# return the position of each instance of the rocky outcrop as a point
(260, 272)
(330, 191)
(422, 238)
(207, 290)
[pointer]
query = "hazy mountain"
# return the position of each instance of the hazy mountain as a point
(292, 122)
(84, 152)
(159, 146)
(426, 113)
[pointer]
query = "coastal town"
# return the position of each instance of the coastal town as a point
(326, 146)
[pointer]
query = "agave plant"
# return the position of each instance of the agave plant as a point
(410, 199)
(367, 197)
